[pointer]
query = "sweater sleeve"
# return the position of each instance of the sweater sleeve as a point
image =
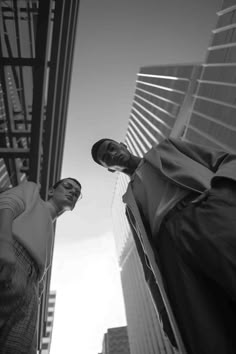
(13, 199)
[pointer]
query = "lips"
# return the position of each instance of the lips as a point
(118, 159)
(70, 198)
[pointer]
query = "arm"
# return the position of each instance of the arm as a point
(11, 205)
(6, 220)
(222, 163)
(7, 256)
(210, 157)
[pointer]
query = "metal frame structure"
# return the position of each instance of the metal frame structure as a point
(37, 41)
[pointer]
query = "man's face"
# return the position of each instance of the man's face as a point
(66, 194)
(114, 156)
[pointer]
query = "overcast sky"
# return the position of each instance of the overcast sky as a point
(114, 39)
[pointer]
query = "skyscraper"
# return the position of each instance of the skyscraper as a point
(47, 338)
(212, 121)
(116, 341)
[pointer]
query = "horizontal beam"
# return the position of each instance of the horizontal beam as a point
(7, 61)
(15, 133)
(14, 152)
(18, 118)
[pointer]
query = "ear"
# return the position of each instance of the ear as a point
(123, 145)
(50, 192)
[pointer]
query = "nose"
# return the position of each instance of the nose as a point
(110, 157)
(76, 193)
(114, 154)
(72, 192)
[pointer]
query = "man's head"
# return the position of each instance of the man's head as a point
(64, 194)
(114, 156)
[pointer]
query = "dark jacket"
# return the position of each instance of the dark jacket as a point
(192, 167)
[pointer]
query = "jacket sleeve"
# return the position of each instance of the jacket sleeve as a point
(222, 163)
(150, 279)
(207, 156)
(13, 199)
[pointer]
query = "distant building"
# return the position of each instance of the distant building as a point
(116, 341)
(192, 102)
(47, 338)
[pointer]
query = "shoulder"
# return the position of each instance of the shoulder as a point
(25, 191)
(162, 145)
(167, 142)
(29, 185)
(170, 145)
(30, 189)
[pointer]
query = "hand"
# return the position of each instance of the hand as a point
(13, 279)
(7, 260)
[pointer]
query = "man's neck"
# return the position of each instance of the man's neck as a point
(133, 164)
(53, 210)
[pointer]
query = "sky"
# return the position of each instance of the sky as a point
(114, 39)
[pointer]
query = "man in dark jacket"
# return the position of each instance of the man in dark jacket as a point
(181, 204)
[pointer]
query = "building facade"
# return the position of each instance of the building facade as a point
(212, 121)
(116, 341)
(192, 102)
(47, 337)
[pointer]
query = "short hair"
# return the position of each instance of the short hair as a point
(63, 179)
(95, 148)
